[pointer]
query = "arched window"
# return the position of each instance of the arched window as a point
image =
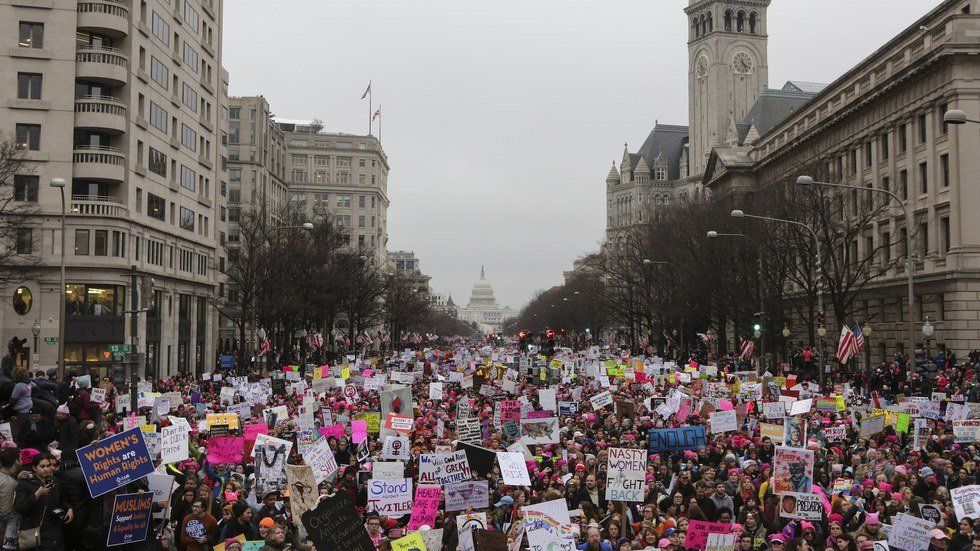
(666, 199)
(741, 22)
(752, 21)
(728, 20)
(696, 28)
(711, 23)
(704, 25)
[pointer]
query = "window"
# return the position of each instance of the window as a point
(81, 242)
(299, 175)
(235, 175)
(233, 127)
(923, 178)
(29, 136)
(299, 143)
(885, 183)
(101, 243)
(160, 73)
(154, 252)
(884, 146)
(139, 200)
(360, 221)
(903, 139)
(25, 240)
(923, 245)
(372, 201)
(944, 168)
(361, 201)
(903, 242)
(921, 121)
(156, 207)
(187, 178)
(886, 247)
(943, 107)
(234, 113)
(186, 219)
(25, 187)
(321, 160)
(190, 57)
(28, 86)
(191, 17)
(158, 117)
(854, 161)
(944, 234)
(31, 35)
(867, 154)
(158, 163)
(161, 29)
(202, 267)
(299, 159)
(361, 163)
(188, 137)
(343, 200)
(188, 96)
(118, 244)
(903, 184)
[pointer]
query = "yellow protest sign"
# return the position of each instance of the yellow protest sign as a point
(373, 420)
(841, 405)
(345, 373)
(411, 542)
(229, 419)
(148, 428)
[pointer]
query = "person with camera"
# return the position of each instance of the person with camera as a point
(42, 508)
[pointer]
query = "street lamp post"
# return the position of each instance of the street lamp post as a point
(712, 234)
(60, 184)
(909, 264)
(816, 244)
(36, 331)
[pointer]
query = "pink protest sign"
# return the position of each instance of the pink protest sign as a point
(510, 410)
(225, 450)
(684, 411)
(726, 405)
(368, 372)
(336, 431)
(425, 508)
(540, 414)
(251, 431)
(358, 430)
(698, 530)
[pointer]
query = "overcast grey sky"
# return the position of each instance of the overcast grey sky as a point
(501, 117)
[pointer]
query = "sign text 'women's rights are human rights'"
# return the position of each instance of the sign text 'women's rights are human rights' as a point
(115, 461)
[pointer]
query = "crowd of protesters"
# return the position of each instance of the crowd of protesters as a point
(728, 480)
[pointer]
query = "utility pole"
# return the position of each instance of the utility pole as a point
(133, 339)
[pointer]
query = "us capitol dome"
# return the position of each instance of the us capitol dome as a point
(483, 308)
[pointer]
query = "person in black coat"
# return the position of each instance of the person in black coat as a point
(66, 431)
(40, 503)
(38, 431)
(240, 523)
(71, 482)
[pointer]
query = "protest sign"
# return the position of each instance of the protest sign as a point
(872, 425)
(465, 525)
(966, 431)
(225, 450)
(399, 423)
(115, 461)
(931, 513)
(98, 395)
(547, 397)
(721, 542)
(795, 433)
(774, 431)
(510, 410)
(390, 497)
(228, 419)
(411, 542)
(601, 400)
(800, 407)
(723, 421)
(513, 469)
(425, 507)
(130, 520)
(626, 474)
(335, 524)
(173, 445)
(548, 526)
(540, 431)
(678, 439)
(303, 494)
(837, 433)
(372, 419)
(469, 430)
(387, 469)
(920, 434)
(567, 408)
(966, 501)
(909, 533)
(698, 530)
(793, 470)
(489, 540)
(396, 448)
(798, 505)
(435, 391)
(432, 539)
(320, 457)
(473, 493)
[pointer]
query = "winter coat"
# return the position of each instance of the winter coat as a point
(40, 512)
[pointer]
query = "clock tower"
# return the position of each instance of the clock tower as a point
(727, 69)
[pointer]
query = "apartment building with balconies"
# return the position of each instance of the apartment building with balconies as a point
(125, 101)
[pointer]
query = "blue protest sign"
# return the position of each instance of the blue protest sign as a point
(130, 520)
(679, 439)
(115, 461)
(226, 361)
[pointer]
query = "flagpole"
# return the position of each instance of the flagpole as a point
(379, 123)
(370, 107)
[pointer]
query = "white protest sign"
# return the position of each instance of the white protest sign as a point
(966, 501)
(396, 448)
(724, 421)
(387, 469)
(774, 410)
(435, 391)
(321, 459)
(547, 397)
(800, 407)
(910, 533)
(626, 474)
(173, 444)
(513, 468)
(601, 400)
(98, 395)
(390, 496)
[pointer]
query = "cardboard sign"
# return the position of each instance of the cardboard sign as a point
(320, 457)
(513, 468)
(173, 444)
(390, 497)
(678, 439)
(425, 508)
(130, 520)
(303, 494)
(115, 461)
(909, 533)
(966, 501)
(801, 506)
(335, 524)
(626, 474)
(698, 530)
(473, 493)
(793, 470)
(225, 450)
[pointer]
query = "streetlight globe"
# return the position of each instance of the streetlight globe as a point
(866, 330)
(822, 331)
(954, 116)
(737, 213)
(647, 261)
(58, 182)
(712, 233)
(757, 333)
(804, 181)
(928, 329)
(36, 329)
(785, 331)
(308, 226)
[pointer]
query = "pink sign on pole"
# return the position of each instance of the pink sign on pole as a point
(225, 450)
(698, 530)
(358, 430)
(336, 431)
(425, 508)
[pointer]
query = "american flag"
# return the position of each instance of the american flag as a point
(265, 347)
(847, 347)
(366, 92)
(315, 340)
(858, 337)
(670, 341)
(708, 339)
(748, 347)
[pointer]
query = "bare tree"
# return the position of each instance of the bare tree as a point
(18, 200)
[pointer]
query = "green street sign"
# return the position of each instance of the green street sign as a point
(50, 340)
(118, 349)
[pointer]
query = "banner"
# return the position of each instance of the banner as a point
(474, 493)
(801, 506)
(513, 469)
(548, 526)
(130, 521)
(425, 507)
(115, 461)
(225, 450)
(540, 431)
(679, 439)
(390, 497)
(626, 474)
(698, 530)
(793, 470)
(335, 524)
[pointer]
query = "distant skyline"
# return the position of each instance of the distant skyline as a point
(501, 119)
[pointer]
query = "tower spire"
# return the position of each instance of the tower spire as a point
(483, 274)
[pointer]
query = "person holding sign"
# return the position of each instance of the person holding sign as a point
(42, 508)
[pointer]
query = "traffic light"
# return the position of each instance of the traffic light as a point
(118, 375)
